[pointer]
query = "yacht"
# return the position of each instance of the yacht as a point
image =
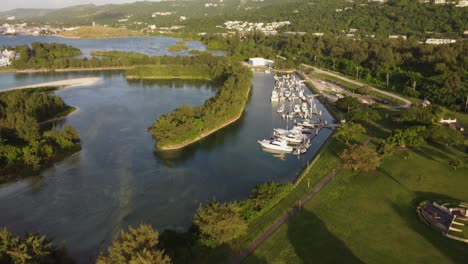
(274, 96)
(304, 107)
(280, 109)
(297, 108)
(275, 144)
(292, 138)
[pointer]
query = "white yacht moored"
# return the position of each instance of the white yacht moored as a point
(276, 144)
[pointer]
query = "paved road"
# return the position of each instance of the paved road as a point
(406, 101)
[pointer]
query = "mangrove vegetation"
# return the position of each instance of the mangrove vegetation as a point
(25, 147)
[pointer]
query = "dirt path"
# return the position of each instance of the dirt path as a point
(336, 75)
(296, 208)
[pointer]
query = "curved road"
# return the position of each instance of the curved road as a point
(330, 73)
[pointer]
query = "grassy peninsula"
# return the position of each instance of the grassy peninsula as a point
(99, 32)
(186, 124)
(171, 71)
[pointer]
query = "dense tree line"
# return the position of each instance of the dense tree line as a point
(187, 123)
(436, 72)
(137, 245)
(169, 71)
(42, 55)
(31, 248)
(24, 146)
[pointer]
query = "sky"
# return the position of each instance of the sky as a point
(12, 4)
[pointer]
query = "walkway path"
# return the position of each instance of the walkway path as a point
(336, 75)
(251, 248)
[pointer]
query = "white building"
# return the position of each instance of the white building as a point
(4, 61)
(433, 41)
(462, 3)
(258, 62)
(397, 37)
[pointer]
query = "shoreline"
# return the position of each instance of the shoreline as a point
(117, 68)
(76, 110)
(116, 37)
(208, 133)
(58, 84)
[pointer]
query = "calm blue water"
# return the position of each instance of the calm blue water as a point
(117, 180)
(147, 45)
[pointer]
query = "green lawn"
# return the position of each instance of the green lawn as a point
(371, 218)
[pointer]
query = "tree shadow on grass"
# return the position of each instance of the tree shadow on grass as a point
(455, 250)
(314, 243)
(432, 153)
(384, 172)
(182, 248)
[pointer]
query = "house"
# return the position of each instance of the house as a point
(260, 62)
(397, 36)
(433, 41)
(462, 3)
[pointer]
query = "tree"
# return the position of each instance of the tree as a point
(412, 136)
(385, 148)
(444, 135)
(364, 90)
(455, 163)
(348, 130)
(135, 246)
(219, 223)
(30, 249)
(360, 158)
(365, 115)
(347, 102)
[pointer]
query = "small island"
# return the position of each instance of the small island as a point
(450, 218)
(186, 124)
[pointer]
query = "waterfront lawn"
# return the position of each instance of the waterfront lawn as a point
(371, 218)
(328, 160)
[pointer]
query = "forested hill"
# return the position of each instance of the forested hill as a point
(394, 17)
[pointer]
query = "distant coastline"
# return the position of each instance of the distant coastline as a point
(117, 68)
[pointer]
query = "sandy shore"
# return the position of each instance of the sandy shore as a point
(60, 84)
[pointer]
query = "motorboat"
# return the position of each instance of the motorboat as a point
(292, 138)
(274, 96)
(297, 108)
(276, 144)
(304, 107)
(280, 109)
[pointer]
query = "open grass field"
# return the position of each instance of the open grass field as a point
(99, 32)
(371, 218)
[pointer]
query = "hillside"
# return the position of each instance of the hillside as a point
(24, 13)
(409, 18)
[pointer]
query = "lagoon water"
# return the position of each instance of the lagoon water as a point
(117, 180)
(147, 45)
